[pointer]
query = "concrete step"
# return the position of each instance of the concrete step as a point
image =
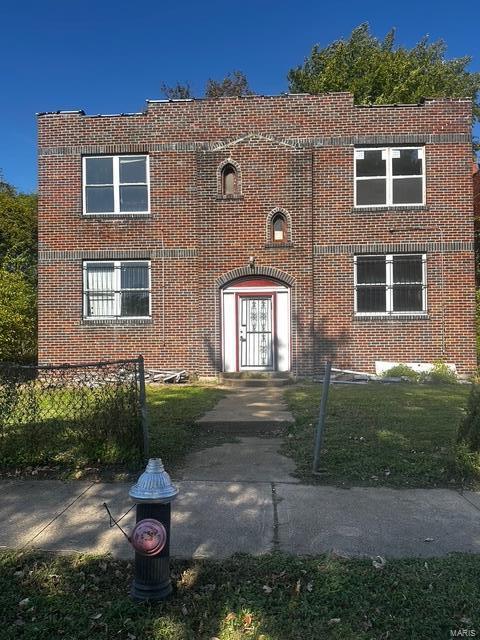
(248, 411)
(254, 382)
(243, 379)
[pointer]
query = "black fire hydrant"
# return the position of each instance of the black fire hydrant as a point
(153, 493)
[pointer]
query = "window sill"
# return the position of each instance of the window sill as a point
(392, 317)
(232, 198)
(116, 216)
(391, 207)
(94, 322)
(278, 245)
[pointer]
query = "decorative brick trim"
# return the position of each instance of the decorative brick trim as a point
(253, 137)
(400, 247)
(380, 139)
(294, 143)
(269, 272)
(45, 256)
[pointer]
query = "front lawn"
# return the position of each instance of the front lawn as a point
(88, 432)
(273, 597)
(172, 411)
(379, 434)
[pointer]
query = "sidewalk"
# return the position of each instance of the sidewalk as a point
(213, 519)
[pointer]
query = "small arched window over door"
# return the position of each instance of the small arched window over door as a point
(229, 180)
(279, 228)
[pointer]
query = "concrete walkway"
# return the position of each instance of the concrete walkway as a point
(246, 413)
(248, 459)
(249, 410)
(216, 519)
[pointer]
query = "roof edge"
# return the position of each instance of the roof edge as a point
(346, 95)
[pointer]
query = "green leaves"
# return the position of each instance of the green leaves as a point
(17, 317)
(18, 273)
(18, 230)
(377, 72)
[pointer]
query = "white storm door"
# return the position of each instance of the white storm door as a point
(255, 332)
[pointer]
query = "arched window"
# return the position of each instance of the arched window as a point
(279, 228)
(229, 180)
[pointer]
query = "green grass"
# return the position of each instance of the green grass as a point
(64, 433)
(394, 435)
(173, 410)
(69, 428)
(274, 597)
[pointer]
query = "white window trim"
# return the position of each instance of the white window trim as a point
(116, 185)
(389, 177)
(389, 287)
(117, 290)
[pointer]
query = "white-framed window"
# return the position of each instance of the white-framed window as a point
(392, 284)
(116, 289)
(115, 184)
(389, 176)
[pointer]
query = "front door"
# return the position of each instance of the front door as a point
(255, 320)
(255, 332)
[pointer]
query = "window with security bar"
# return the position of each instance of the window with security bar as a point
(115, 185)
(392, 284)
(116, 289)
(389, 176)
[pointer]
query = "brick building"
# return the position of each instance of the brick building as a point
(258, 233)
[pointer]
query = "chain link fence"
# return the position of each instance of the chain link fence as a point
(73, 415)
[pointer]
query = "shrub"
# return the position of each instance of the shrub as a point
(17, 317)
(401, 371)
(441, 374)
(466, 462)
(469, 429)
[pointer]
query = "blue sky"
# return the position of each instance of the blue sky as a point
(107, 56)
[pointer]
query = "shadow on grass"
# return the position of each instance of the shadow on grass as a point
(172, 414)
(273, 597)
(396, 435)
(71, 429)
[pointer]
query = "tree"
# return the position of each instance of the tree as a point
(18, 274)
(177, 91)
(234, 84)
(17, 317)
(378, 72)
(18, 230)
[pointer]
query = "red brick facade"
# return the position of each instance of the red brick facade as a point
(476, 195)
(293, 153)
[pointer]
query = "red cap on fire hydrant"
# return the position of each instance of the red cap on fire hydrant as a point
(148, 537)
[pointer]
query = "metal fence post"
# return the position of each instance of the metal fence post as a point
(143, 406)
(322, 415)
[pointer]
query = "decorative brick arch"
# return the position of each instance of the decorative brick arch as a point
(220, 168)
(268, 222)
(269, 272)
